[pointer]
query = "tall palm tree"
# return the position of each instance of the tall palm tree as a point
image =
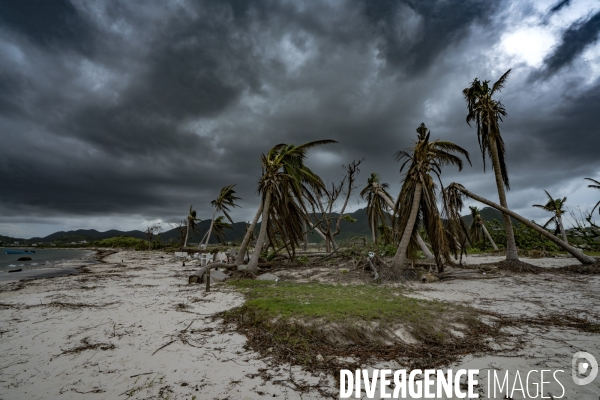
(478, 228)
(377, 207)
(455, 190)
(596, 186)
(222, 203)
(487, 114)
(191, 224)
(419, 193)
(555, 206)
(284, 182)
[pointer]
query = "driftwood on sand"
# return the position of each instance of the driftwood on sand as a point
(197, 276)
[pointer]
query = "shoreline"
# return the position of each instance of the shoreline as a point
(58, 268)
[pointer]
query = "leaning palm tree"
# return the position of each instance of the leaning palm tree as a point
(419, 193)
(377, 207)
(487, 114)
(219, 227)
(239, 259)
(376, 192)
(222, 203)
(596, 186)
(555, 206)
(456, 191)
(191, 224)
(284, 182)
(477, 229)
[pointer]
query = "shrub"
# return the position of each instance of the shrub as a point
(123, 241)
(525, 237)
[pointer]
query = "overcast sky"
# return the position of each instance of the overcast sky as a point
(116, 114)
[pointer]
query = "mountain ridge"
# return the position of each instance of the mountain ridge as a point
(348, 230)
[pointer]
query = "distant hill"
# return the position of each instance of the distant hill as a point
(92, 235)
(348, 230)
(231, 235)
(85, 234)
(8, 239)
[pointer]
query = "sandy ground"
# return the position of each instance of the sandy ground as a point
(555, 262)
(531, 347)
(133, 329)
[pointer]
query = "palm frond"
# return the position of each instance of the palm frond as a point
(487, 113)
(499, 85)
(597, 184)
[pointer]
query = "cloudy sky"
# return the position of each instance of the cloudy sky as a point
(115, 114)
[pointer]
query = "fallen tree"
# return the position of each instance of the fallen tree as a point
(197, 276)
(456, 187)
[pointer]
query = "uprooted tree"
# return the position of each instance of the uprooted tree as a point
(454, 189)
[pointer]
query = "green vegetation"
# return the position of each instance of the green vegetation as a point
(123, 242)
(525, 237)
(306, 306)
(298, 321)
(337, 303)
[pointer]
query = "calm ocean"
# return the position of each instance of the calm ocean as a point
(42, 258)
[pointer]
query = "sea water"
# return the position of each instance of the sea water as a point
(42, 258)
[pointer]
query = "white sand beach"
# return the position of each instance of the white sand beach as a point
(133, 328)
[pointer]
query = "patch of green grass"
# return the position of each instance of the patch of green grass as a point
(302, 260)
(335, 303)
(294, 322)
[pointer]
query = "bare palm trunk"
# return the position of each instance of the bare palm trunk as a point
(212, 223)
(239, 259)
(304, 227)
(420, 240)
(572, 250)
(373, 230)
(511, 246)
(203, 238)
(424, 247)
(187, 231)
(253, 263)
(489, 237)
(400, 258)
(562, 229)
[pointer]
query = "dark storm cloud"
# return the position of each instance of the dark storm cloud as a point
(560, 5)
(573, 42)
(116, 109)
(414, 33)
(44, 22)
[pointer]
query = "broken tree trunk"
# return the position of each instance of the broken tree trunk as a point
(196, 277)
(570, 249)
